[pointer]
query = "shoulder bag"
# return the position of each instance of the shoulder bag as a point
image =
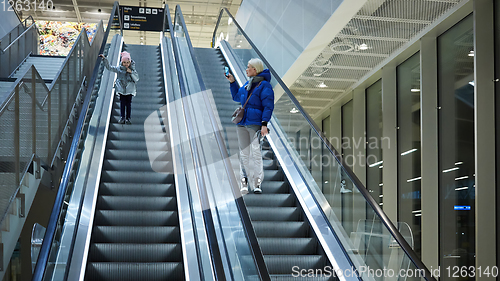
(240, 111)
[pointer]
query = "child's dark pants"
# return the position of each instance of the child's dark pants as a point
(125, 103)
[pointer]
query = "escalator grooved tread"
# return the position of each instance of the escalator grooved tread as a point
(122, 271)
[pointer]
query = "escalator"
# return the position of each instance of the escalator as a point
(284, 235)
(135, 232)
(132, 211)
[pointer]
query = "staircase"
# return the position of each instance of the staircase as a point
(284, 235)
(136, 233)
(47, 66)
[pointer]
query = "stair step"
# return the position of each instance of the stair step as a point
(136, 218)
(133, 234)
(136, 203)
(136, 189)
(142, 253)
(116, 271)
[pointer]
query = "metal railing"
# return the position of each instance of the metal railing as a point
(354, 225)
(15, 46)
(34, 116)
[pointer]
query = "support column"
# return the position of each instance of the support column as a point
(484, 101)
(429, 168)
(336, 126)
(389, 143)
(359, 124)
(359, 152)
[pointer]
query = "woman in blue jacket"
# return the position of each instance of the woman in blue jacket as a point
(126, 79)
(258, 112)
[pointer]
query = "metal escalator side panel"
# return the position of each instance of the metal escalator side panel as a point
(196, 252)
(95, 148)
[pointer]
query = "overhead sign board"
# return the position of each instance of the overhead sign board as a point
(141, 18)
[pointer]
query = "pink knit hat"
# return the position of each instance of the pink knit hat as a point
(126, 56)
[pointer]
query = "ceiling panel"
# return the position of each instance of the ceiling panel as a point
(380, 28)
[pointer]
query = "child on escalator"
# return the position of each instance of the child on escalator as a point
(125, 86)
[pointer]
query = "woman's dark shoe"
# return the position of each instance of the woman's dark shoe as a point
(122, 121)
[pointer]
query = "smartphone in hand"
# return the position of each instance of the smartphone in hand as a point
(226, 71)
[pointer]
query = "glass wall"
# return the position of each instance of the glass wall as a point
(374, 162)
(409, 147)
(456, 146)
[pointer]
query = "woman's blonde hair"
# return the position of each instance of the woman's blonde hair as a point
(257, 64)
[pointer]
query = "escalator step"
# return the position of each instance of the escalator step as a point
(138, 165)
(136, 177)
(136, 218)
(288, 246)
(135, 115)
(279, 213)
(280, 229)
(136, 189)
(111, 271)
(117, 252)
(131, 234)
(269, 200)
(136, 136)
(132, 154)
(136, 203)
(273, 175)
(128, 144)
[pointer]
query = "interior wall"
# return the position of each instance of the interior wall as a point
(8, 20)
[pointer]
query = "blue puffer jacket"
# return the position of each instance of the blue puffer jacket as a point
(125, 82)
(261, 104)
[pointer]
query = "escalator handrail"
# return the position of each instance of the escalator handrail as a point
(362, 189)
(246, 221)
(43, 255)
(205, 204)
